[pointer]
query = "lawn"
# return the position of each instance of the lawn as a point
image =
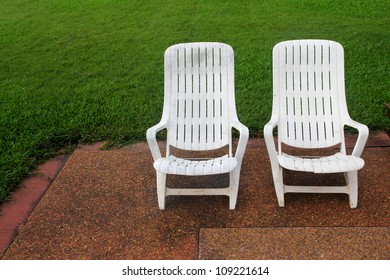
(82, 71)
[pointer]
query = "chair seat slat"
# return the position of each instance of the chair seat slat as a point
(179, 166)
(330, 164)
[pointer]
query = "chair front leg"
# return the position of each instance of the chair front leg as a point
(279, 186)
(352, 183)
(234, 179)
(161, 189)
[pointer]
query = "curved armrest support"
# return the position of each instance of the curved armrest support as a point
(362, 137)
(151, 138)
(268, 132)
(269, 140)
(272, 152)
(243, 140)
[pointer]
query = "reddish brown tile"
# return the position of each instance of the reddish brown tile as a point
(298, 243)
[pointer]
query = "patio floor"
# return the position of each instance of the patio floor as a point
(102, 204)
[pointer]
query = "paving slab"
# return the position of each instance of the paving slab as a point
(297, 243)
(103, 205)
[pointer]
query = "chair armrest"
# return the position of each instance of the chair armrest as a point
(151, 138)
(362, 137)
(242, 141)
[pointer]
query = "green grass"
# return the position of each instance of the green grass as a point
(74, 71)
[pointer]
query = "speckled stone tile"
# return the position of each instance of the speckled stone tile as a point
(298, 243)
(103, 205)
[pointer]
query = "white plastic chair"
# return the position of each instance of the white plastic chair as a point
(199, 114)
(310, 111)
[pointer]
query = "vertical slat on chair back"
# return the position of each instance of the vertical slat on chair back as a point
(307, 78)
(199, 79)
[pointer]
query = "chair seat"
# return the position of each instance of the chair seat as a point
(179, 166)
(330, 164)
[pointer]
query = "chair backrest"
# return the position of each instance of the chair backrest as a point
(308, 79)
(199, 95)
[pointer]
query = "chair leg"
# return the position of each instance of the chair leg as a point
(352, 182)
(161, 182)
(279, 187)
(234, 178)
